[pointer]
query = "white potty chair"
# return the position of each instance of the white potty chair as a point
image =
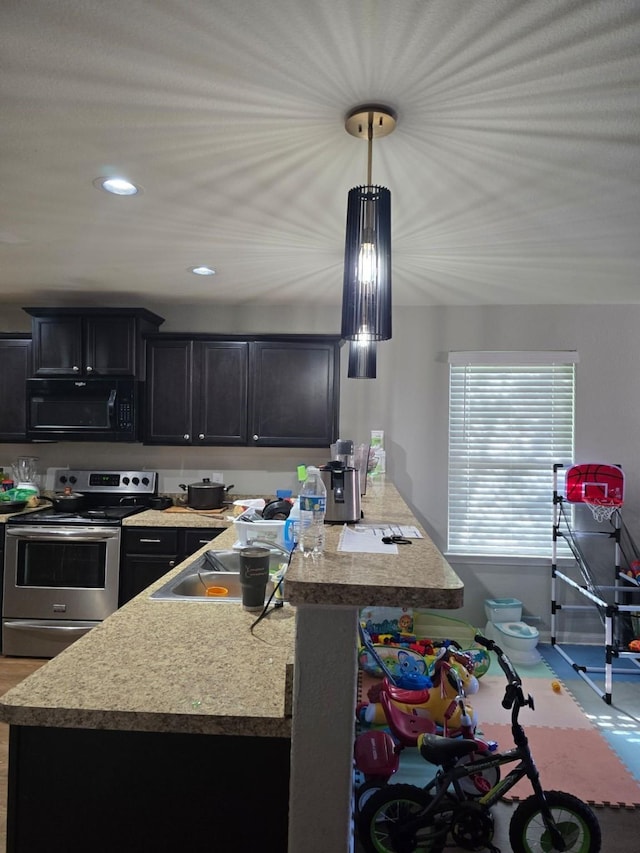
(506, 628)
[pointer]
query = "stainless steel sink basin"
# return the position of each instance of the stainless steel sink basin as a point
(211, 585)
(212, 577)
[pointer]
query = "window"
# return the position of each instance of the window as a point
(511, 418)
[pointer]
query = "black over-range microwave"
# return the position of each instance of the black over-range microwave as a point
(82, 409)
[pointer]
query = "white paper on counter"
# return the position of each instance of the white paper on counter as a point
(408, 531)
(364, 540)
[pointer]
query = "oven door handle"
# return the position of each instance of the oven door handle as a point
(30, 626)
(31, 534)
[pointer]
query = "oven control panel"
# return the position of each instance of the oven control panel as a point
(108, 482)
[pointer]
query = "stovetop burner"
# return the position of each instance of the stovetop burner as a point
(100, 515)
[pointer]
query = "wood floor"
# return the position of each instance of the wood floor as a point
(12, 671)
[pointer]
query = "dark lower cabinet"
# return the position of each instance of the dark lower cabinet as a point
(75, 790)
(148, 553)
(15, 361)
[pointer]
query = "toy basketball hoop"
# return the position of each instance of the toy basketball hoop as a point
(599, 486)
(602, 508)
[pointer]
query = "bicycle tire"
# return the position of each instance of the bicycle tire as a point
(577, 822)
(364, 792)
(383, 813)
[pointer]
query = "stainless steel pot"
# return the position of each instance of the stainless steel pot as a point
(205, 494)
(68, 501)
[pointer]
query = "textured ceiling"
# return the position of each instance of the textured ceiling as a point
(514, 169)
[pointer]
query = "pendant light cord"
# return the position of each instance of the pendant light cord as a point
(370, 147)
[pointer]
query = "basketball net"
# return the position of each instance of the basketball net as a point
(602, 508)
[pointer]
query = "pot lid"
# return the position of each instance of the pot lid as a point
(205, 483)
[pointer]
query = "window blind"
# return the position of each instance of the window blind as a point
(511, 418)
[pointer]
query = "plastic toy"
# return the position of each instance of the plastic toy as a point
(402, 666)
(376, 751)
(633, 571)
(439, 703)
(409, 817)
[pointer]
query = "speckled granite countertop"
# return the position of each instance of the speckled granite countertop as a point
(195, 666)
(154, 518)
(417, 576)
(170, 667)
(171, 518)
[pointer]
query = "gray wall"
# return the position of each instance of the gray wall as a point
(409, 402)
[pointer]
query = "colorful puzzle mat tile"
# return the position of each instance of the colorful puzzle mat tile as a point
(592, 657)
(552, 709)
(578, 761)
(618, 723)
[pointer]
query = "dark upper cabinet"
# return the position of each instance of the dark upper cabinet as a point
(90, 341)
(220, 403)
(219, 391)
(294, 393)
(196, 392)
(15, 358)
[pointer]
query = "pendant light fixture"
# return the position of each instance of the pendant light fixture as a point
(366, 294)
(362, 360)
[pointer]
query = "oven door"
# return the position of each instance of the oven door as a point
(61, 573)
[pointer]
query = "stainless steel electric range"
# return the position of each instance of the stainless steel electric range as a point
(61, 569)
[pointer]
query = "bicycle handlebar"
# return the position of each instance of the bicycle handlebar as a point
(513, 690)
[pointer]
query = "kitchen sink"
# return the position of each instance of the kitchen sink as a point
(215, 576)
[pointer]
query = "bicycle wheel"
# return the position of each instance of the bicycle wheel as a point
(364, 792)
(382, 817)
(575, 820)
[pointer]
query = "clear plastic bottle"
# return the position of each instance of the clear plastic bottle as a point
(291, 533)
(313, 505)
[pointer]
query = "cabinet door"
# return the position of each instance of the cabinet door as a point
(294, 398)
(110, 346)
(57, 346)
(169, 394)
(196, 537)
(220, 399)
(15, 358)
(138, 571)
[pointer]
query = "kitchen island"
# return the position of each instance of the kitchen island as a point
(177, 717)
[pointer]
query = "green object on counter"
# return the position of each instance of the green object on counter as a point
(18, 494)
(302, 473)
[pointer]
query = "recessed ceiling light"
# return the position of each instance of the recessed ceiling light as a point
(117, 186)
(201, 270)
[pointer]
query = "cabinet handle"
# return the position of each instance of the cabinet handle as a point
(256, 437)
(201, 436)
(151, 541)
(186, 436)
(172, 563)
(89, 369)
(75, 368)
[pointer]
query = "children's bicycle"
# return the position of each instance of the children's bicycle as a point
(403, 818)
